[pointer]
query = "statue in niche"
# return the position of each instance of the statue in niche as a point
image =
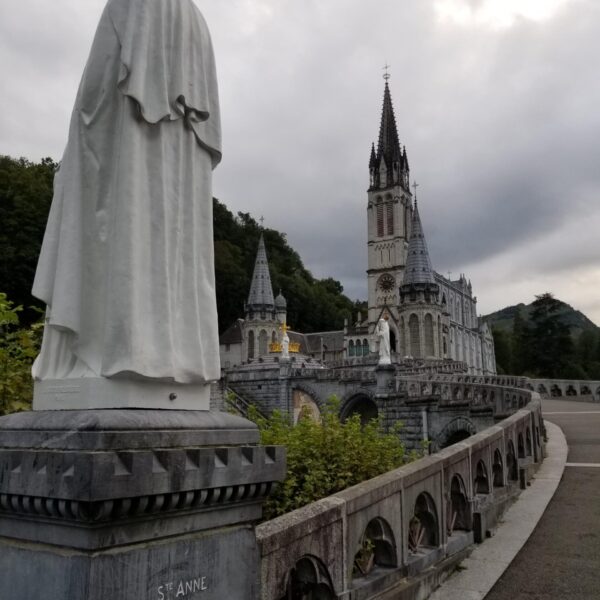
(127, 267)
(383, 335)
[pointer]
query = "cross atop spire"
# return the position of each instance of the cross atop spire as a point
(386, 75)
(415, 185)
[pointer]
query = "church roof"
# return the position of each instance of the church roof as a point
(261, 290)
(389, 144)
(418, 265)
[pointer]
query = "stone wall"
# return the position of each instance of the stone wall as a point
(456, 495)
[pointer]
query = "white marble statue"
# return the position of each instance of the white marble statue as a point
(127, 267)
(383, 335)
(285, 345)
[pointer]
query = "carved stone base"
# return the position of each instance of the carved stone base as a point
(123, 504)
(103, 393)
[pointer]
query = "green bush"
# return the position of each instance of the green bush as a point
(18, 349)
(327, 456)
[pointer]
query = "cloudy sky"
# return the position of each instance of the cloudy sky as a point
(497, 102)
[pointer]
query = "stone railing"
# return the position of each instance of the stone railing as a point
(565, 388)
(397, 535)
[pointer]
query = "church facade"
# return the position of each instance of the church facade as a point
(431, 317)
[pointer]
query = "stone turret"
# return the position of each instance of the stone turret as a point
(264, 314)
(423, 319)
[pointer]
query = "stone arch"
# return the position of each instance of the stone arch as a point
(365, 345)
(481, 483)
(414, 331)
(351, 348)
(498, 470)
(455, 431)
(273, 337)
(401, 344)
(555, 391)
(362, 404)
(377, 548)
(459, 514)
(423, 529)
(512, 470)
(304, 402)
(309, 580)
(571, 391)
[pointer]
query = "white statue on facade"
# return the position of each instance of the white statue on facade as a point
(127, 267)
(382, 331)
(285, 342)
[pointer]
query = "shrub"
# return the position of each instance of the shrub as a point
(327, 456)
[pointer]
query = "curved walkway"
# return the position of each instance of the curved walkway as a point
(561, 560)
(484, 573)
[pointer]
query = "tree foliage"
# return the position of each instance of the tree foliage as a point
(18, 348)
(327, 456)
(25, 197)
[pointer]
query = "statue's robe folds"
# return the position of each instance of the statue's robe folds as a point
(127, 265)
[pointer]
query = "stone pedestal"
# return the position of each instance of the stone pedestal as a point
(385, 379)
(131, 504)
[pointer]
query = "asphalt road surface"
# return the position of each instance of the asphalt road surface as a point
(561, 560)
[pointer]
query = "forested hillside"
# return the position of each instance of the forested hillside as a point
(25, 197)
(546, 338)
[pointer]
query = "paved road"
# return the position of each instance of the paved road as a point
(561, 560)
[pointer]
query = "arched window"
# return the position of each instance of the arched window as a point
(351, 348)
(380, 219)
(458, 508)
(250, 345)
(482, 484)
(390, 218)
(498, 470)
(262, 342)
(428, 326)
(365, 347)
(415, 336)
(273, 337)
(423, 527)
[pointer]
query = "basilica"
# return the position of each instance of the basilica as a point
(433, 319)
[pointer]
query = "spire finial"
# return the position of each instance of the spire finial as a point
(386, 75)
(262, 221)
(415, 185)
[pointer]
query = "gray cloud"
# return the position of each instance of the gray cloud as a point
(501, 126)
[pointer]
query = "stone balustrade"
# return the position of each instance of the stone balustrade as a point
(399, 534)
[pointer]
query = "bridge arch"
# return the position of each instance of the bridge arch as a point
(455, 431)
(360, 403)
(304, 398)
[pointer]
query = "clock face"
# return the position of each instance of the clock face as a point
(387, 282)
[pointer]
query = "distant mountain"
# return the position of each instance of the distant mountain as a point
(576, 320)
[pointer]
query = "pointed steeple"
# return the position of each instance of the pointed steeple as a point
(261, 290)
(388, 147)
(418, 265)
(373, 159)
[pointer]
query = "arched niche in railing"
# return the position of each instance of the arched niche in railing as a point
(309, 580)
(528, 442)
(481, 482)
(423, 528)
(377, 548)
(498, 469)
(512, 469)
(458, 509)
(520, 446)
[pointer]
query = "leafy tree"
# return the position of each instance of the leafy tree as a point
(25, 197)
(327, 456)
(551, 343)
(521, 349)
(503, 349)
(18, 349)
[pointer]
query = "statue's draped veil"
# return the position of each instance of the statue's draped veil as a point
(127, 265)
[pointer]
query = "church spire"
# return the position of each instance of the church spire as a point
(261, 290)
(388, 164)
(418, 264)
